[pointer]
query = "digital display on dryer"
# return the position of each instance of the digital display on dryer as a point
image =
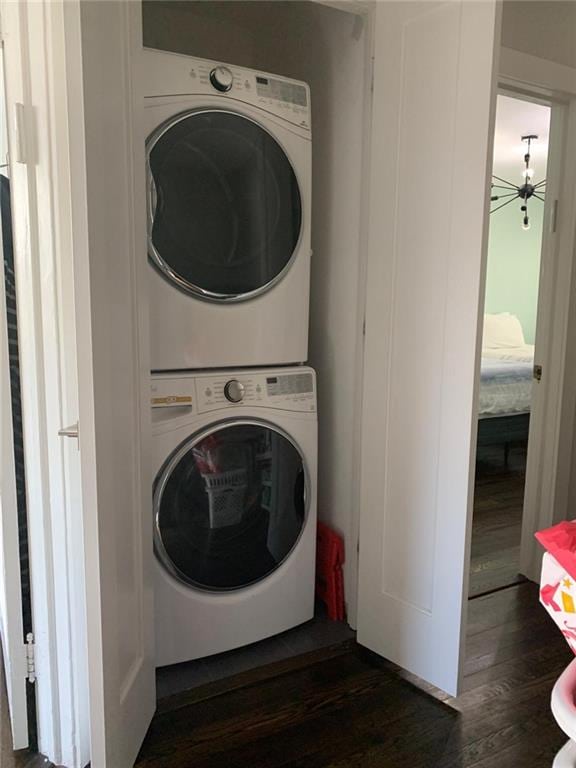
(280, 90)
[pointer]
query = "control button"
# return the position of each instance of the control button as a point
(234, 391)
(221, 78)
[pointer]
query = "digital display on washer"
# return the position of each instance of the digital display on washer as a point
(281, 91)
(293, 384)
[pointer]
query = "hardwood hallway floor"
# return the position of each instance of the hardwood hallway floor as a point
(497, 519)
(345, 708)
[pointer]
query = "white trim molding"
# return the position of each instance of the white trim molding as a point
(539, 75)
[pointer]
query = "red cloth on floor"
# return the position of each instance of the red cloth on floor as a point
(329, 577)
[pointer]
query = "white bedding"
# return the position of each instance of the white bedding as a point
(506, 381)
(523, 354)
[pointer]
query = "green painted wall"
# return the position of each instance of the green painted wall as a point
(514, 264)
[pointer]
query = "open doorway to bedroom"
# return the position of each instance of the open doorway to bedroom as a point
(507, 369)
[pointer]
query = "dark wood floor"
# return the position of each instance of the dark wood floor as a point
(497, 520)
(318, 633)
(343, 707)
(346, 708)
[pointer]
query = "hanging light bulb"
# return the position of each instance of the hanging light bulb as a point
(529, 190)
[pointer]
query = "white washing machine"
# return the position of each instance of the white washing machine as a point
(229, 204)
(235, 457)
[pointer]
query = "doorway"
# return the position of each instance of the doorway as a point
(252, 36)
(508, 373)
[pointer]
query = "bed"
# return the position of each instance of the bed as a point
(505, 383)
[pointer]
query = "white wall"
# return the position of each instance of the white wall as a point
(326, 48)
(543, 28)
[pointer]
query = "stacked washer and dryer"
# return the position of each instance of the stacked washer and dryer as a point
(233, 405)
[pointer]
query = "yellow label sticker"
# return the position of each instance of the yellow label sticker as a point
(172, 400)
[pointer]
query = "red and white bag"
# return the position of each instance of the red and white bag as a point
(558, 577)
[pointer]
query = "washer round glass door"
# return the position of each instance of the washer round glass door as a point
(230, 506)
(225, 209)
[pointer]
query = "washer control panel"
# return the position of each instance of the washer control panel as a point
(289, 390)
(234, 391)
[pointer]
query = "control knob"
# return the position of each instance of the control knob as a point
(234, 391)
(221, 78)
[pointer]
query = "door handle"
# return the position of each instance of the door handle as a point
(71, 431)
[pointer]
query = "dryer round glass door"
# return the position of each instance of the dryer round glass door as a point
(225, 209)
(230, 505)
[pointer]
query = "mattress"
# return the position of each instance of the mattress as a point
(506, 381)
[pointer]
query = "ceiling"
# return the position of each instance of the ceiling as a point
(516, 118)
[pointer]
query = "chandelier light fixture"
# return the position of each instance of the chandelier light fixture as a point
(528, 190)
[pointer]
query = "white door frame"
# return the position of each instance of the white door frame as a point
(365, 9)
(551, 442)
(33, 38)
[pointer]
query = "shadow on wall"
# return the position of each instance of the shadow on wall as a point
(543, 28)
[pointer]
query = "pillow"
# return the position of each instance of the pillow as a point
(502, 331)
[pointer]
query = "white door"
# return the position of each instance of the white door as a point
(11, 625)
(109, 245)
(11, 620)
(434, 100)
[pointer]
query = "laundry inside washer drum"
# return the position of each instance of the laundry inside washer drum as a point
(228, 209)
(232, 508)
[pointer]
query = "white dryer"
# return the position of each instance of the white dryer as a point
(235, 463)
(229, 206)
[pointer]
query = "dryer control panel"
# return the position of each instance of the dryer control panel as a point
(173, 74)
(283, 389)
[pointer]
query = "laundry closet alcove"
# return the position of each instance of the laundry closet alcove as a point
(328, 49)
